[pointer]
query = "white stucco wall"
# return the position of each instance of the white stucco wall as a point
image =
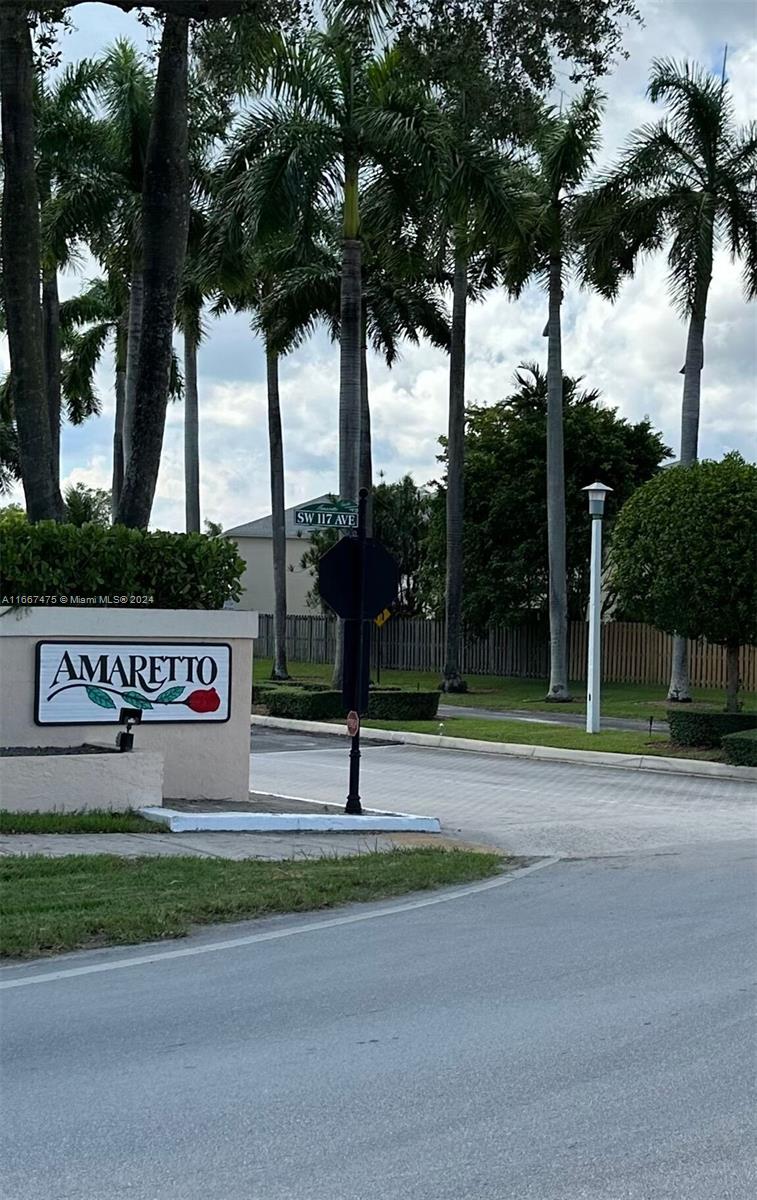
(76, 782)
(257, 580)
(201, 761)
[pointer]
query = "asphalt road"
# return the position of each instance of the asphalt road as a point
(585, 1032)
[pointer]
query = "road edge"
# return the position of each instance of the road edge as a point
(600, 758)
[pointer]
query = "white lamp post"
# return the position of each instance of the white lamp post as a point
(597, 493)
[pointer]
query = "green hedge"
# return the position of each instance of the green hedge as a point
(741, 748)
(706, 730)
(302, 704)
(402, 706)
(176, 570)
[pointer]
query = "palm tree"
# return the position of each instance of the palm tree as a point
(21, 258)
(688, 183)
(339, 110)
(189, 319)
(67, 147)
(482, 204)
(565, 144)
(89, 323)
(102, 206)
(241, 275)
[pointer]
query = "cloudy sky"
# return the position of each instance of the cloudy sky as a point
(632, 351)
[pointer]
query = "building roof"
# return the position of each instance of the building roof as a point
(262, 528)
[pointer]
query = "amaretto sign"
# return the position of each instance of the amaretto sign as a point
(88, 683)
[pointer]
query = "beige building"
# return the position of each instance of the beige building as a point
(255, 543)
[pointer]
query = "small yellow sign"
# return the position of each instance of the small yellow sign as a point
(383, 617)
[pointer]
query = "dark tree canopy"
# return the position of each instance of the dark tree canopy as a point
(522, 38)
(505, 531)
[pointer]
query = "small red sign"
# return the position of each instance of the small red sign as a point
(353, 723)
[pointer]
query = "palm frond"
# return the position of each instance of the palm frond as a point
(566, 143)
(79, 363)
(699, 103)
(739, 215)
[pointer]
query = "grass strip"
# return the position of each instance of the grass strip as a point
(48, 905)
(564, 737)
(91, 821)
(638, 700)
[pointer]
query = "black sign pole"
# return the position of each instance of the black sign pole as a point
(353, 798)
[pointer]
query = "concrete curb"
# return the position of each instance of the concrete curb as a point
(599, 758)
(252, 822)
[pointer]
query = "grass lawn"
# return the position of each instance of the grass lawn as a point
(488, 691)
(92, 821)
(617, 741)
(48, 905)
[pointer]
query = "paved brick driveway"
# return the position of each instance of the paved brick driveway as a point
(529, 807)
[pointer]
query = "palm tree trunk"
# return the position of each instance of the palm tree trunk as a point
(22, 267)
(51, 354)
(453, 680)
(558, 587)
(732, 678)
(118, 428)
(278, 520)
(349, 370)
(165, 222)
(679, 690)
(349, 364)
(134, 334)
(191, 435)
(365, 469)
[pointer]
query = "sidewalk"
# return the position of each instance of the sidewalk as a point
(235, 846)
(544, 717)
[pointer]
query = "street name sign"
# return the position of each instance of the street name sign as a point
(329, 514)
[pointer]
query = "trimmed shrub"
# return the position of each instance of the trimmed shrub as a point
(706, 730)
(741, 748)
(176, 570)
(302, 705)
(402, 706)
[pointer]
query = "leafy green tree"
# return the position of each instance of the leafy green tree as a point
(564, 143)
(505, 533)
(684, 556)
(686, 183)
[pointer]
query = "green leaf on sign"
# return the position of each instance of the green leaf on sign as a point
(136, 699)
(98, 696)
(168, 696)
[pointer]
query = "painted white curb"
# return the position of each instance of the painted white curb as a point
(626, 762)
(252, 822)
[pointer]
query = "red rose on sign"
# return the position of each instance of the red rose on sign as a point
(202, 702)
